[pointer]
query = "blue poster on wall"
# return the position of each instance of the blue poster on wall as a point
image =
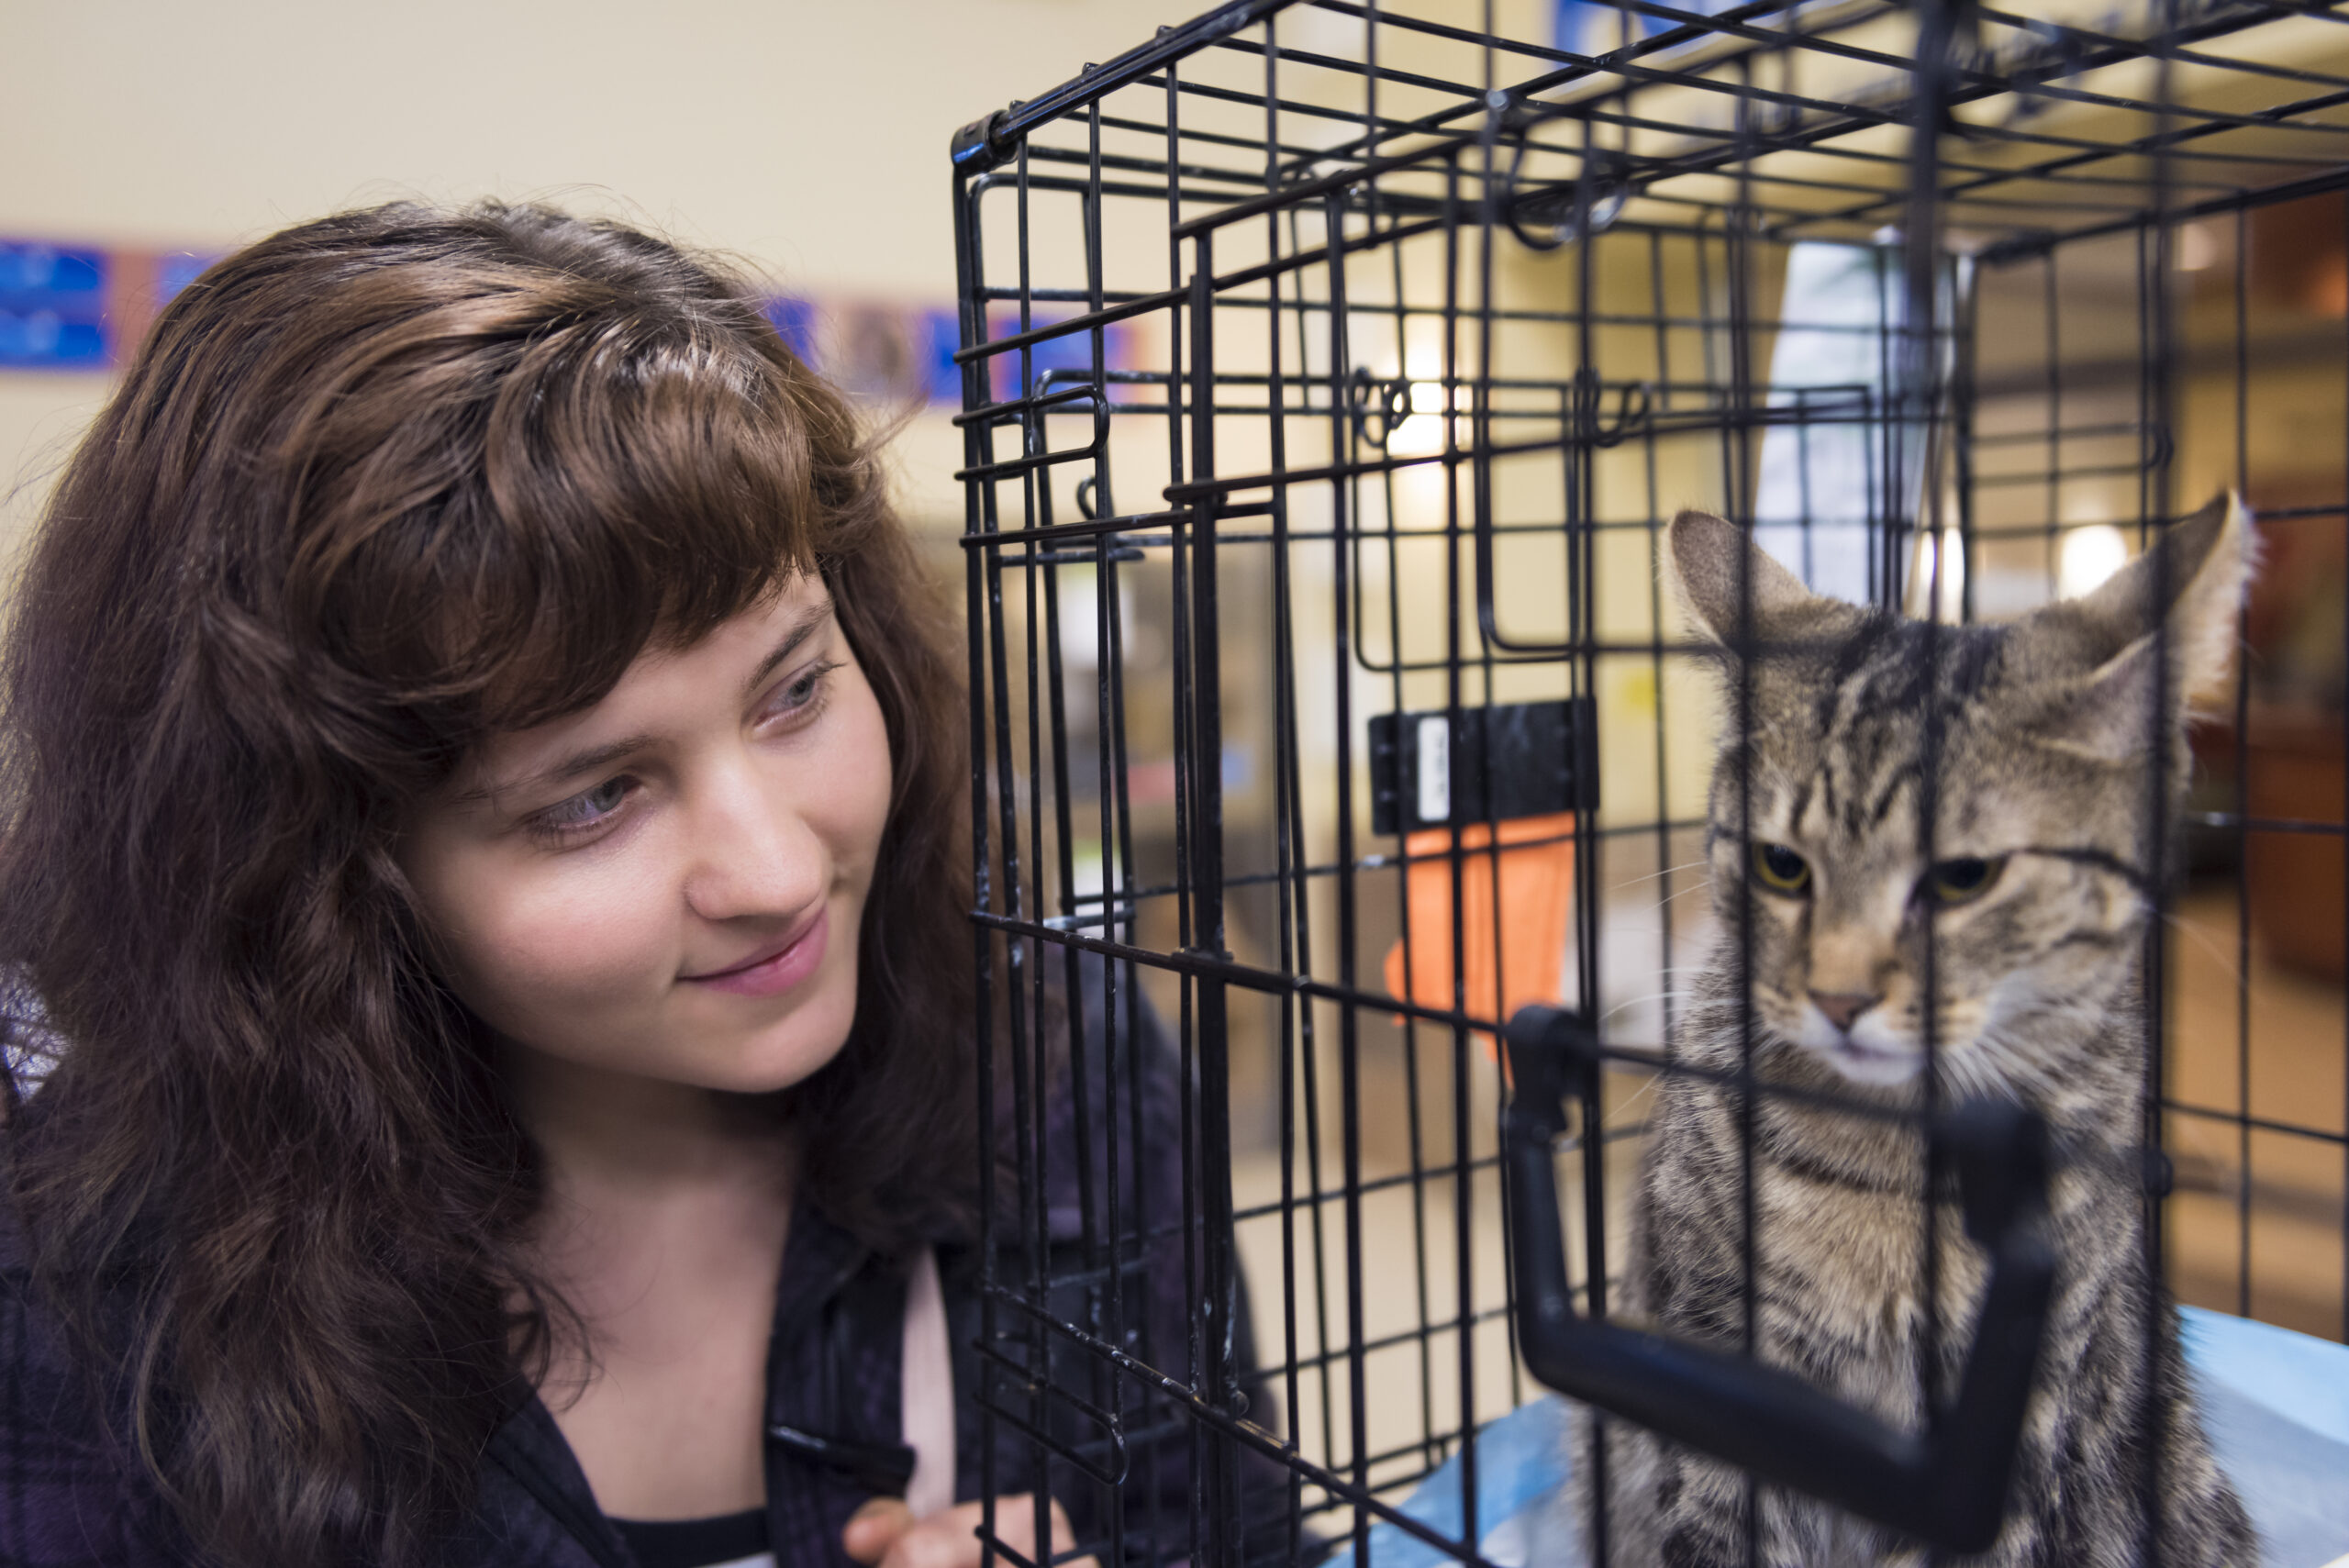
(794, 321)
(85, 308)
(943, 335)
(175, 272)
(1054, 363)
(1597, 27)
(52, 307)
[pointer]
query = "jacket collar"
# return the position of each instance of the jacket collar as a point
(819, 1260)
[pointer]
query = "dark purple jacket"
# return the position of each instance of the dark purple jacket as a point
(72, 1496)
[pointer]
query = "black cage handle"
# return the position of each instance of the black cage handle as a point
(1946, 1486)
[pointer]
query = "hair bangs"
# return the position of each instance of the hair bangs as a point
(637, 481)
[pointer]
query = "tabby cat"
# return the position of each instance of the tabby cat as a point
(2038, 898)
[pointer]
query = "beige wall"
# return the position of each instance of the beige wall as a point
(808, 136)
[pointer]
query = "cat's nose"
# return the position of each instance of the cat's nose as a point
(1842, 1007)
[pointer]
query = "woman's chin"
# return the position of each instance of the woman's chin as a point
(788, 1051)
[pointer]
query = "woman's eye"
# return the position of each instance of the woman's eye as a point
(589, 806)
(1781, 870)
(1954, 882)
(803, 692)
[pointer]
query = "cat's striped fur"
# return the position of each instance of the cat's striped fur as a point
(2042, 773)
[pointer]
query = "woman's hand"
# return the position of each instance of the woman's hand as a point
(885, 1534)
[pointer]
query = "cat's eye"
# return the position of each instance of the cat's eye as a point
(1781, 870)
(1955, 882)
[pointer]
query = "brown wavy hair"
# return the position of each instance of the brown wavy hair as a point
(376, 487)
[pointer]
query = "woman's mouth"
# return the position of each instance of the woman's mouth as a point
(776, 968)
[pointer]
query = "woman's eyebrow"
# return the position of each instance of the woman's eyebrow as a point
(813, 616)
(596, 758)
(593, 759)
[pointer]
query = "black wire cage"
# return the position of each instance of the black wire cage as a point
(1331, 371)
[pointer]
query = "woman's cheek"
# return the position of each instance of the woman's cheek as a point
(860, 792)
(576, 940)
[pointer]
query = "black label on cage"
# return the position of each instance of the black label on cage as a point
(1482, 764)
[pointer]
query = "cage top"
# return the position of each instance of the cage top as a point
(1801, 117)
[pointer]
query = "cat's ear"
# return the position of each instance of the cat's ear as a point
(2104, 715)
(2185, 594)
(1712, 565)
(2180, 598)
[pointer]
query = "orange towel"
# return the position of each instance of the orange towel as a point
(1536, 879)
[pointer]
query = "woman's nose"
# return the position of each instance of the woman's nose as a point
(750, 853)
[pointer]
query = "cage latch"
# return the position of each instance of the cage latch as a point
(1452, 767)
(1946, 1486)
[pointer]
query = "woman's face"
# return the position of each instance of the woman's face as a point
(668, 885)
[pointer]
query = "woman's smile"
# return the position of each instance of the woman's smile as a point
(775, 968)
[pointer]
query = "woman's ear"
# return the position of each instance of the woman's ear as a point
(1715, 573)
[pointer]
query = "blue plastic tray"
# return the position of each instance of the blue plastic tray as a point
(2275, 1403)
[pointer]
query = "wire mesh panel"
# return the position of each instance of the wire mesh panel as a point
(1332, 372)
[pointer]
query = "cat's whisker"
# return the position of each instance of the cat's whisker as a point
(1656, 877)
(2200, 939)
(1975, 1073)
(1630, 1101)
(2018, 1072)
(1636, 1001)
(2065, 1012)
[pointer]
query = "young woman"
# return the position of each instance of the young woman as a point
(491, 1071)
